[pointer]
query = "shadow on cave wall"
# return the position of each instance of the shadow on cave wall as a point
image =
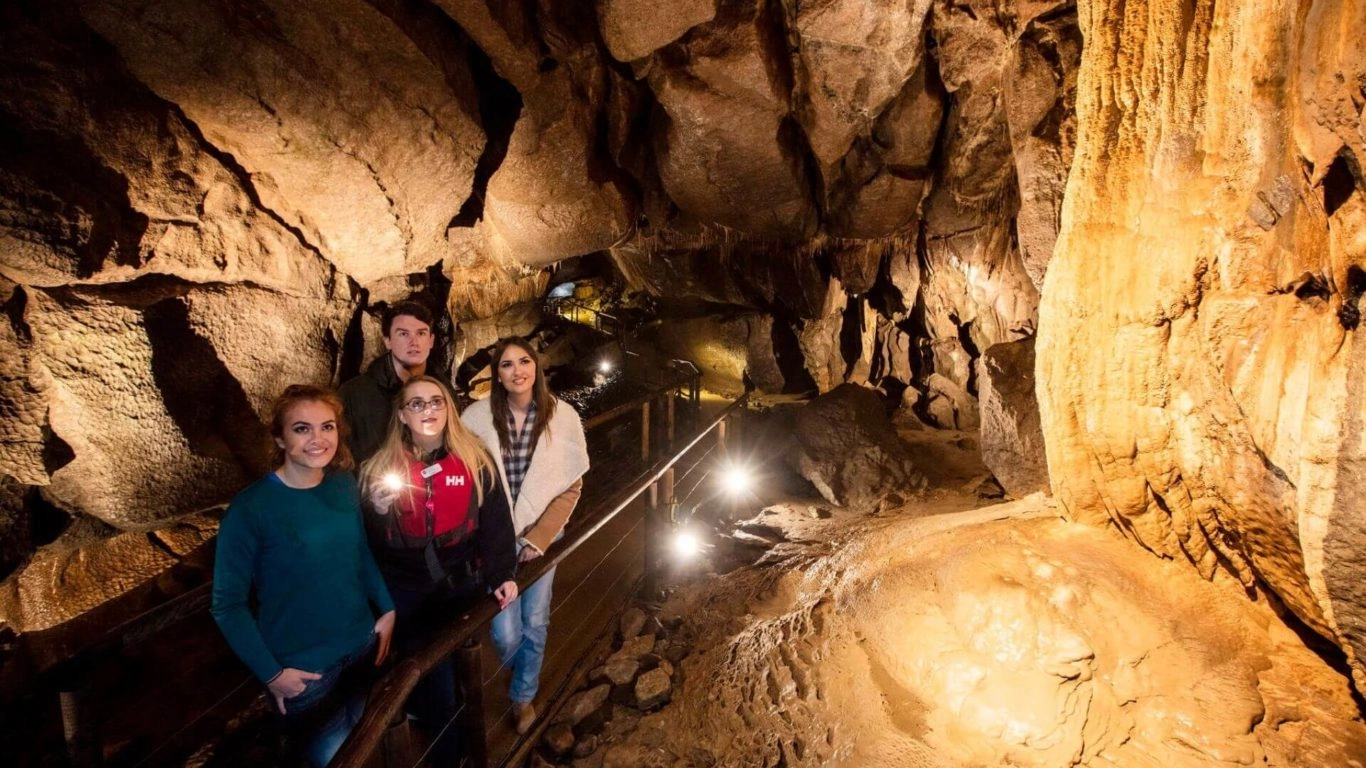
(204, 399)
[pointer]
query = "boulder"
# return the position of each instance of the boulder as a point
(620, 669)
(559, 738)
(949, 406)
(653, 689)
(583, 704)
(346, 161)
(1012, 440)
(586, 746)
(734, 172)
(632, 621)
(882, 181)
(636, 647)
(857, 56)
(846, 447)
(621, 723)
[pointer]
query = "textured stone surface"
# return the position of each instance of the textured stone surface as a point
(728, 350)
(1000, 636)
(1200, 384)
(1012, 440)
(583, 704)
(633, 29)
(632, 622)
(653, 689)
(559, 738)
(856, 56)
(61, 583)
(846, 447)
(737, 171)
(621, 670)
(296, 94)
(950, 406)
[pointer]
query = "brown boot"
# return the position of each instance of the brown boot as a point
(525, 715)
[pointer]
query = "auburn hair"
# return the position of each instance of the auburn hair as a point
(295, 394)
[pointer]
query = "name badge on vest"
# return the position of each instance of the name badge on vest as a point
(431, 471)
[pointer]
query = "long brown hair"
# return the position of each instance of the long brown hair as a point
(295, 394)
(540, 393)
(398, 450)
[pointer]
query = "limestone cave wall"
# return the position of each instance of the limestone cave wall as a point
(1199, 361)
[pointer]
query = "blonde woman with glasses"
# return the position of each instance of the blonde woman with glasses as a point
(441, 532)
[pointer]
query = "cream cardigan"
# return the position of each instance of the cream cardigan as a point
(560, 459)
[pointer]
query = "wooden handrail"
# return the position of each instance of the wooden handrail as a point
(389, 694)
(105, 644)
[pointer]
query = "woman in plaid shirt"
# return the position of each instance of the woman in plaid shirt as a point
(538, 443)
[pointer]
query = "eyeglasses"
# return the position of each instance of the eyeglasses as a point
(418, 405)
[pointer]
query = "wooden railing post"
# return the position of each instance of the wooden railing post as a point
(652, 536)
(470, 678)
(667, 492)
(645, 432)
(669, 418)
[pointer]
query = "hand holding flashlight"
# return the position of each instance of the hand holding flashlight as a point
(384, 493)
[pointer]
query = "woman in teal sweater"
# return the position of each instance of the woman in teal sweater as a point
(296, 537)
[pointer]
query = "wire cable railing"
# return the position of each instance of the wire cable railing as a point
(82, 725)
(389, 694)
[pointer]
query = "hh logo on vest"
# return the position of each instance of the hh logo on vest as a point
(437, 503)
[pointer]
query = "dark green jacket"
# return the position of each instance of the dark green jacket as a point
(368, 399)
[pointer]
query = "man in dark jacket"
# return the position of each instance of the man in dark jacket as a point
(368, 398)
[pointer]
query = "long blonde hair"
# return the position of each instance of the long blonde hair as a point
(397, 450)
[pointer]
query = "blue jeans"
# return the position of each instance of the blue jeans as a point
(319, 719)
(519, 633)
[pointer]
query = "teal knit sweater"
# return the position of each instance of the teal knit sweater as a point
(317, 588)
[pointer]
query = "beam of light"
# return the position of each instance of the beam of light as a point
(686, 544)
(393, 482)
(605, 366)
(736, 479)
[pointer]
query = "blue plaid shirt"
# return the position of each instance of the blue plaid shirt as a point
(517, 454)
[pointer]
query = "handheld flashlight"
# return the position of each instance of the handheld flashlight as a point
(393, 481)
